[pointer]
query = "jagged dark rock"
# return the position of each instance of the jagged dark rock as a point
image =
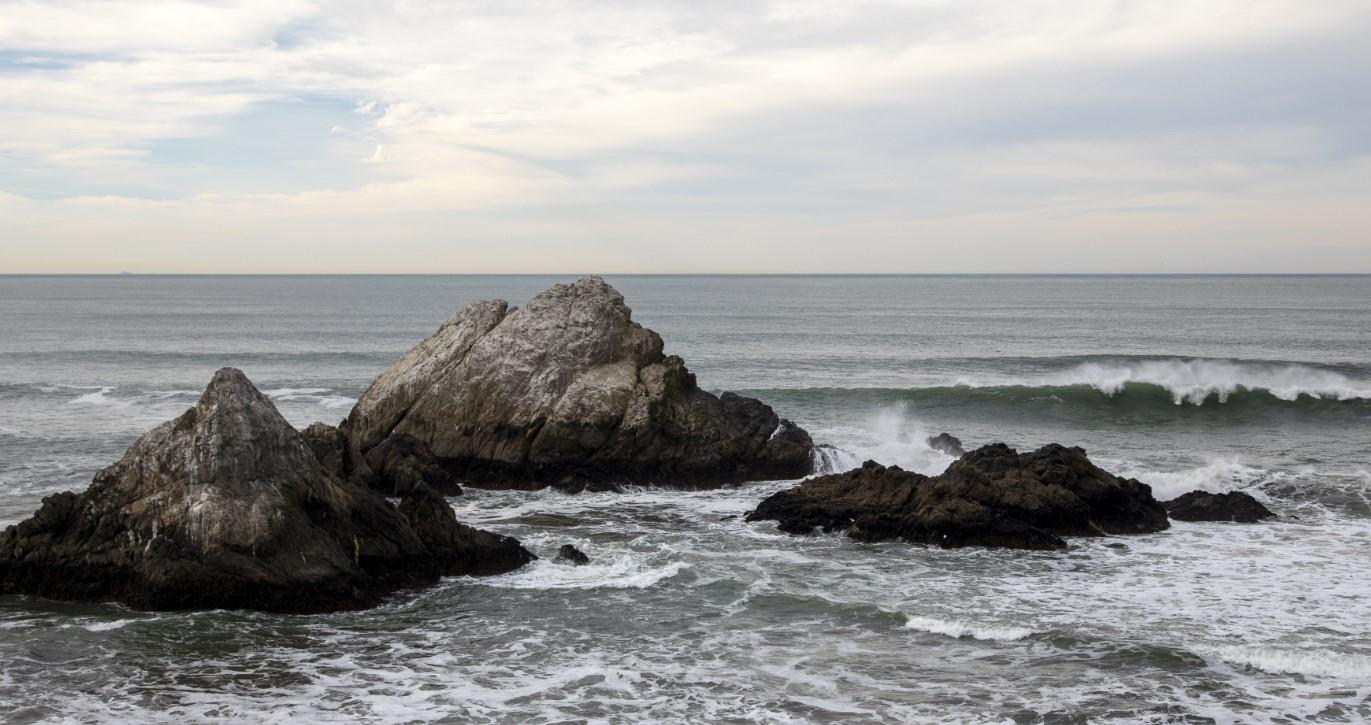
(571, 555)
(226, 507)
(329, 447)
(567, 391)
(946, 443)
(1234, 506)
(993, 496)
(458, 549)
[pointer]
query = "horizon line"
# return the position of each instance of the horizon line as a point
(684, 274)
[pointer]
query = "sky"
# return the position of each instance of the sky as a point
(925, 136)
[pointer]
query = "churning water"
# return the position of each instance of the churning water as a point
(687, 613)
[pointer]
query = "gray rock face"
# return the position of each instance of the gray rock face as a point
(226, 507)
(567, 391)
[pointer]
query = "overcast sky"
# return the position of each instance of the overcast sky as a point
(930, 136)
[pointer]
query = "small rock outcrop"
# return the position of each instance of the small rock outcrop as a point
(566, 391)
(569, 554)
(993, 496)
(946, 443)
(1234, 506)
(227, 507)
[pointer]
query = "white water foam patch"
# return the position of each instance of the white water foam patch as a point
(1195, 381)
(105, 626)
(324, 397)
(103, 396)
(1278, 660)
(98, 397)
(1218, 475)
(890, 435)
(958, 629)
(608, 569)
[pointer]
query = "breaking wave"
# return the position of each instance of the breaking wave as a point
(1197, 381)
(1295, 662)
(109, 395)
(1218, 475)
(1158, 388)
(958, 629)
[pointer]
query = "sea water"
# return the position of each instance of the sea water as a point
(688, 613)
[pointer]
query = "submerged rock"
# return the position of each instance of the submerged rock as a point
(946, 443)
(572, 555)
(567, 391)
(993, 496)
(227, 507)
(1234, 506)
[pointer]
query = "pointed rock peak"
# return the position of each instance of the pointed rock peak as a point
(231, 385)
(237, 434)
(584, 288)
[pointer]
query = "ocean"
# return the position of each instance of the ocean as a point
(690, 614)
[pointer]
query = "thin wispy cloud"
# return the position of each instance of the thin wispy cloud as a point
(911, 136)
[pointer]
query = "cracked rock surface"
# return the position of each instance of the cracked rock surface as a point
(566, 391)
(228, 507)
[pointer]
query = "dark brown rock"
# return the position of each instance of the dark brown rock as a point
(224, 507)
(947, 443)
(993, 496)
(329, 447)
(567, 391)
(1234, 506)
(569, 554)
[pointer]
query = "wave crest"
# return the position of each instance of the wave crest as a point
(1196, 381)
(958, 629)
(1316, 663)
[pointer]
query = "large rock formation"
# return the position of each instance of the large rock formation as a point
(227, 507)
(1234, 506)
(993, 496)
(567, 391)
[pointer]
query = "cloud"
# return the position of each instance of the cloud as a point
(891, 129)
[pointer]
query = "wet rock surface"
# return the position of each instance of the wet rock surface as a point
(946, 443)
(1234, 506)
(993, 496)
(567, 391)
(228, 507)
(569, 554)
(458, 549)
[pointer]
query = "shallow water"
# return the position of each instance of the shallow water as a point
(688, 613)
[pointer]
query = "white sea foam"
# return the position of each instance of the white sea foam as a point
(1195, 381)
(101, 626)
(606, 570)
(1218, 475)
(957, 629)
(1315, 663)
(890, 435)
(103, 396)
(293, 392)
(316, 396)
(98, 397)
